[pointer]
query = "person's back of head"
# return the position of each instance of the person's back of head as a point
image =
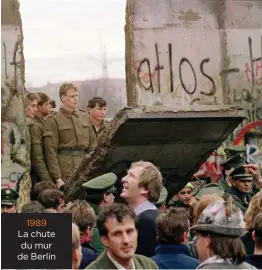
(254, 208)
(257, 233)
(83, 216)
(76, 247)
(33, 207)
(173, 226)
(52, 198)
(39, 187)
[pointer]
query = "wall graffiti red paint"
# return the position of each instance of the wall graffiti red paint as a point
(211, 168)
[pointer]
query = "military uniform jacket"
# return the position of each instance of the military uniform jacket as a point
(95, 238)
(241, 200)
(68, 137)
(37, 153)
(103, 127)
(223, 183)
(103, 262)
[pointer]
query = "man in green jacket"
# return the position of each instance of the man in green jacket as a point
(117, 227)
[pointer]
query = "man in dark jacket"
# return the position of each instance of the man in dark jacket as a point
(141, 189)
(172, 232)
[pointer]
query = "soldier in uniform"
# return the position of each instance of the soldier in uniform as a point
(8, 200)
(38, 165)
(235, 155)
(96, 111)
(68, 136)
(100, 192)
(32, 101)
(242, 178)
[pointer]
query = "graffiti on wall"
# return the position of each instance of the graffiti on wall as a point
(150, 74)
(14, 151)
(243, 87)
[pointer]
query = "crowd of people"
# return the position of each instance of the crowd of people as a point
(217, 226)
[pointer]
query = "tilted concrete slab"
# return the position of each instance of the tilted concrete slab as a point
(175, 140)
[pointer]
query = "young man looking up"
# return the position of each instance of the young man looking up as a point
(141, 189)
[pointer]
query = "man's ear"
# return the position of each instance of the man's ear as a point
(184, 238)
(253, 235)
(105, 198)
(104, 240)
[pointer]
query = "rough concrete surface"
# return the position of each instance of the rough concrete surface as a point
(185, 52)
(169, 131)
(15, 144)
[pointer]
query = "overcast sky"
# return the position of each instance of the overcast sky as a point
(65, 39)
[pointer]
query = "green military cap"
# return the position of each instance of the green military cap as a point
(234, 155)
(162, 197)
(103, 182)
(241, 173)
(8, 196)
(211, 188)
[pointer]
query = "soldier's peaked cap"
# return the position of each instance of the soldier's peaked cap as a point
(8, 196)
(104, 182)
(234, 155)
(221, 217)
(241, 173)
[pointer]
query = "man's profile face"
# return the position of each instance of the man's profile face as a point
(31, 108)
(98, 112)
(121, 239)
(70, 99)
(185, 195)
(44, 109)
(8, 208)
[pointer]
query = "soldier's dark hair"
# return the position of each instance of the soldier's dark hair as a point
(96, 101)
(51, 198)
(52, 103)
(226, 247)
(83, 215)
(258, 230)
(172, 225)
(33, 207)
(39, 187)
(118, 211)
(43, 98)
(95, 197)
